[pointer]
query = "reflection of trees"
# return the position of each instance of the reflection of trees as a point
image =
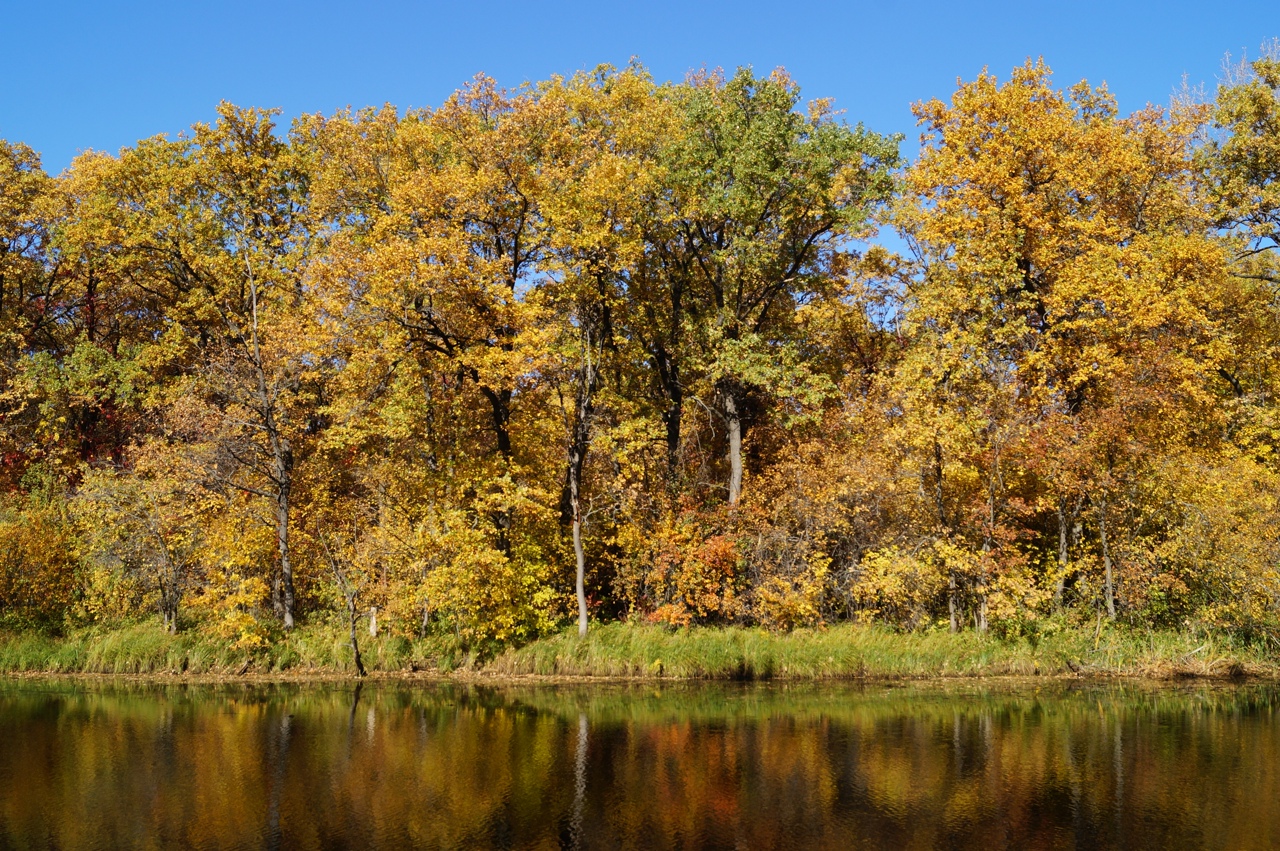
(779, 767)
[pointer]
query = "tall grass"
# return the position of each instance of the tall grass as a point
(627, 650)
(850, 651)
(145, 648)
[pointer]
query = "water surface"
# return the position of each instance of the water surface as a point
(87, 765)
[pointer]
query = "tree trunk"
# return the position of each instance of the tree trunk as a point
(733, 422)
(355, 640)
(953, 601)
(284, 476)
(577, 455)
(500, 404)
(1108, 578)
(939, 495)
(581, 584)
(673, 414)
(349, 593)
(168, 581)
(169, 603)
(669, 378)
(980, 614)
(669, 374)
(579, 444)
(1060, 587)
(281, 455)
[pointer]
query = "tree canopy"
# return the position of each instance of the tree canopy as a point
(600, 347)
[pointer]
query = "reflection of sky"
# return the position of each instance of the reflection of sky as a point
(101, 75)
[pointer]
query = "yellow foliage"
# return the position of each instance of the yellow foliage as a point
(898, 586)
(110, 596)
(39, 580)
(230, 606)
(482, 593)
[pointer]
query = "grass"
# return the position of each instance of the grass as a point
(849, 651)
(145, 648)
(625, 650)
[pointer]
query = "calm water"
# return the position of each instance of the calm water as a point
(804, 767)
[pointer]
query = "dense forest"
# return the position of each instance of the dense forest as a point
(600, 348)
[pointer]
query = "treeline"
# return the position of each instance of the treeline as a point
(602, 348)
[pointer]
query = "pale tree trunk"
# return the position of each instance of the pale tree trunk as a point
(577, 456)
(980, 616)
(1108, 577)
(733, 423)
(953, 601)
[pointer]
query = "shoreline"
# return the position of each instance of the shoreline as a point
(406, 678)
(636, 653)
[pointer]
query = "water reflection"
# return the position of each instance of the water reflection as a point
(333, 766)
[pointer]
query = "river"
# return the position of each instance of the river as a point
(971, 764)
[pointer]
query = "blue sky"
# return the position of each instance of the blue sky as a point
(78, 75)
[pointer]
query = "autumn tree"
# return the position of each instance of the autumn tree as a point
(593, 206)
(211, 227)
(1066, 271)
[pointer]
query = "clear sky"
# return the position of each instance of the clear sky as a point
(101, 73)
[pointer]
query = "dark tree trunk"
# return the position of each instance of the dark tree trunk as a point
(669, 379)
(500, 406)
(1108, 576)
(579, 444)
(350, 594)
(283, 469)
(1059, 588)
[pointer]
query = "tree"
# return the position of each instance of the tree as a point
(214, 227)
(760, 204)
(593, 204)
(1065, 263)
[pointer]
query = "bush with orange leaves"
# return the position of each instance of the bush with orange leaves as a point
(687, 570)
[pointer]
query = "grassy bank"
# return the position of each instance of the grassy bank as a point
(636, 651)
(145, 648)
(848, 651)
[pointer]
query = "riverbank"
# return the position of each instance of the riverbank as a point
(633, 651)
